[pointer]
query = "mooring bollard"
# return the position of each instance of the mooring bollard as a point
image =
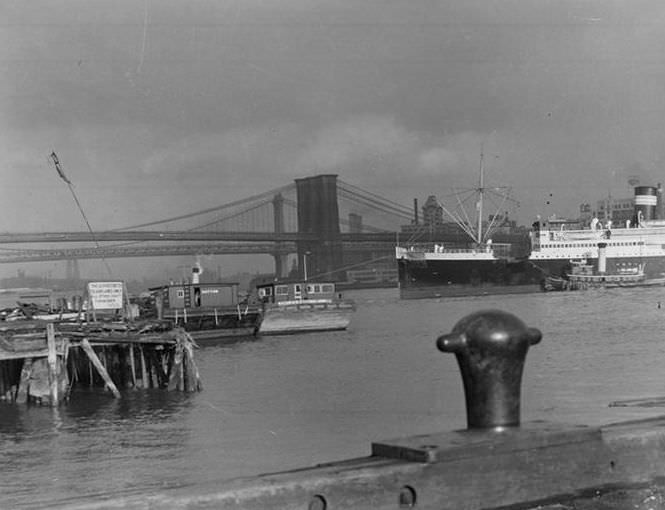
(490, 347)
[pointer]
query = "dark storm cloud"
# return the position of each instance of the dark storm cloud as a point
(419, 61)
(232, 98)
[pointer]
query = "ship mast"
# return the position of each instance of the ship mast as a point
(479, 204)
(464, 220)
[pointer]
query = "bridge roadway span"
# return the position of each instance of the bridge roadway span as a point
(77, 237)
(182, 243)
(42, 255)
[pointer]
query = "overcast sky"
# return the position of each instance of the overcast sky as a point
(162, 107)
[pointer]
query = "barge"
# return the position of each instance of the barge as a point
(298, 307)
(207, 311)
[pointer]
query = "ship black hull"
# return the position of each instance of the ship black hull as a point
(450, 278)
(456, 278)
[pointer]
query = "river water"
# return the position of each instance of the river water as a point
(293, 401)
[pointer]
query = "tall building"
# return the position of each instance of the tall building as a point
(619, 210)
(432, 212)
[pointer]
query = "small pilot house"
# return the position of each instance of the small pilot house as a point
(277, 292)
(198, 295)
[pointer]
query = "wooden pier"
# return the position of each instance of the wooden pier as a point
(42, 361)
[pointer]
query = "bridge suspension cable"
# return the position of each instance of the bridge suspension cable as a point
(367, 198)
(260, 196)
(234, 215)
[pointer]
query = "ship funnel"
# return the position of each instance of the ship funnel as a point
(197, 271)
(602, 258)
(646, 199)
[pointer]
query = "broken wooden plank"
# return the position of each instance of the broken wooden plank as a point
(100, 368)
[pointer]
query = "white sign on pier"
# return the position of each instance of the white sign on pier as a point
(106, 295)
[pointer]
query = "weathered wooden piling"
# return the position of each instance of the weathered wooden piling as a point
(496, 463)
(52, 364)
(132, 364)
(26, 371)
(41, 361)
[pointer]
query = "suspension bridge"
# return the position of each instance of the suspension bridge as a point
(334, 224)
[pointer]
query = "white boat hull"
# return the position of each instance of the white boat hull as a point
(304, 316)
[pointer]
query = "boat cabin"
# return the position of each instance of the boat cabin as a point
(277, 292)
(197, 295)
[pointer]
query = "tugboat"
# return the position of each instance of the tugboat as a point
(207, 311)
(581, 275)
(302, 306)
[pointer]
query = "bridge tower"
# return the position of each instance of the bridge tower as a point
(280, 254)
(318, 213)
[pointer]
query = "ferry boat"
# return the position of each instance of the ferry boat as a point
(302, 306)
(207, 311)
(483, 267)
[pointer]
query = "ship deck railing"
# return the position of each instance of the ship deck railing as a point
(600, 234)
(498, 249)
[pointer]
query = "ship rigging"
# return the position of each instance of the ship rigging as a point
(473, 226)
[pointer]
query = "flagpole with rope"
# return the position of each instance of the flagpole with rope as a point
(62, 175)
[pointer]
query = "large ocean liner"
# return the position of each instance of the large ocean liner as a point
(521, 263)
